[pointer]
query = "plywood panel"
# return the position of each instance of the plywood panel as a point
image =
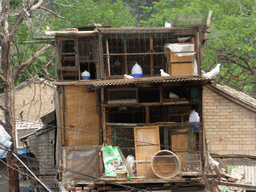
(81, 116)
(180, 143)
(147, 143)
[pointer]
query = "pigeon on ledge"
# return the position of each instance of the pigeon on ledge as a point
(166, 24)
(163, 74)
(128, 76)
(213, 72)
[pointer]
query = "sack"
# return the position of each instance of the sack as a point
(112, 161)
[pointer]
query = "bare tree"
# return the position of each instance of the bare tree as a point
(9, 26)
(241, 72)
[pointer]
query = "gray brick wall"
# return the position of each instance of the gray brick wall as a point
(42, 146)
(230, 127)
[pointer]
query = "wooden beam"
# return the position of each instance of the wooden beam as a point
(108, 57)
(198, 54)
(101, 60)
(103, 117)
(59, 130)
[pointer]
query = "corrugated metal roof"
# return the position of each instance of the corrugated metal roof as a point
(118, 82)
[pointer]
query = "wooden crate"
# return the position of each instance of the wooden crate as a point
(180, 68)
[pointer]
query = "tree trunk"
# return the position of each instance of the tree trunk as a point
(9, 102)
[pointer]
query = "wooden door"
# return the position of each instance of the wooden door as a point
(147, 143)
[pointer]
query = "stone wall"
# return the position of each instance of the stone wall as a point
(230, 127)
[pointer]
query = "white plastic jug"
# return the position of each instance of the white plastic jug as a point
(85, 75)
(137, 71)
(194, 118)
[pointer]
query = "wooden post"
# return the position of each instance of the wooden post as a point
(113, 142)
(125, 57)
(191, 139)
(166, 138)
(59, 127)
(151, 58)
(147, 114)
(101, 60)
(108, 58)
(103, 117)
(198, 54)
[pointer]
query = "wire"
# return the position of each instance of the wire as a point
(68, 170)
(121, 138)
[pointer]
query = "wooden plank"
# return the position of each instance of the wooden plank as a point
(64, 158)
(103, 116)
(179, 144)
(147, 143)
(101, 60)
(59, 130)
(166, 138)
(198, 54)
(81, 117)
(147, 114)
(108, 58)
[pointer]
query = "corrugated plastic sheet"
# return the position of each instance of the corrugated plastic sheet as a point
(147, 80)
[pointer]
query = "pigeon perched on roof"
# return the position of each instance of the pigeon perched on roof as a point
(166, 24)
(128, 76)
(163, 74)
(213, 72)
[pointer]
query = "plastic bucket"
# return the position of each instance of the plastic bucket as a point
(137, 75)
(85, 77)
(196, 127)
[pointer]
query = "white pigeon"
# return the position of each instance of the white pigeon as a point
(166, 24)
(163, 74)
(128, 76)
(213, 72)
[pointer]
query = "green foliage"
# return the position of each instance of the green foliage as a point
(87, 12)
(232, 30)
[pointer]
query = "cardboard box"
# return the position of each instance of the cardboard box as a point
(180, 68)
(173, 57)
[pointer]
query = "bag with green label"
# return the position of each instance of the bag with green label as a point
(112, 160)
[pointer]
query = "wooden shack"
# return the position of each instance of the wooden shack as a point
(142, 116)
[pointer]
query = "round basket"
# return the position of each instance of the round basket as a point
(165, 164)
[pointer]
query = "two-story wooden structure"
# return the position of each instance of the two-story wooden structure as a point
(142, 116)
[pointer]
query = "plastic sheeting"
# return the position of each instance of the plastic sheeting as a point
(5, 142)
(184, 49)
(82, 159)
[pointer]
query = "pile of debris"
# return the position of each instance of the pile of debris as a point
(216, 179)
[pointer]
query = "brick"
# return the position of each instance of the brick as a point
(249, 147)
(233, 147)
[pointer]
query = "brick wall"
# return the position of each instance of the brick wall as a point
(230, 127)
(42, 146)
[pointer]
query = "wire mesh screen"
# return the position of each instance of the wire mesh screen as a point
(190, 163)
(122, 51)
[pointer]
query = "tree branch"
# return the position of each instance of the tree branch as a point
(17, 50)
(21, 17)
(3, 79)
(3, 108)
(55, 14)
(24, 65)
(48, 64)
